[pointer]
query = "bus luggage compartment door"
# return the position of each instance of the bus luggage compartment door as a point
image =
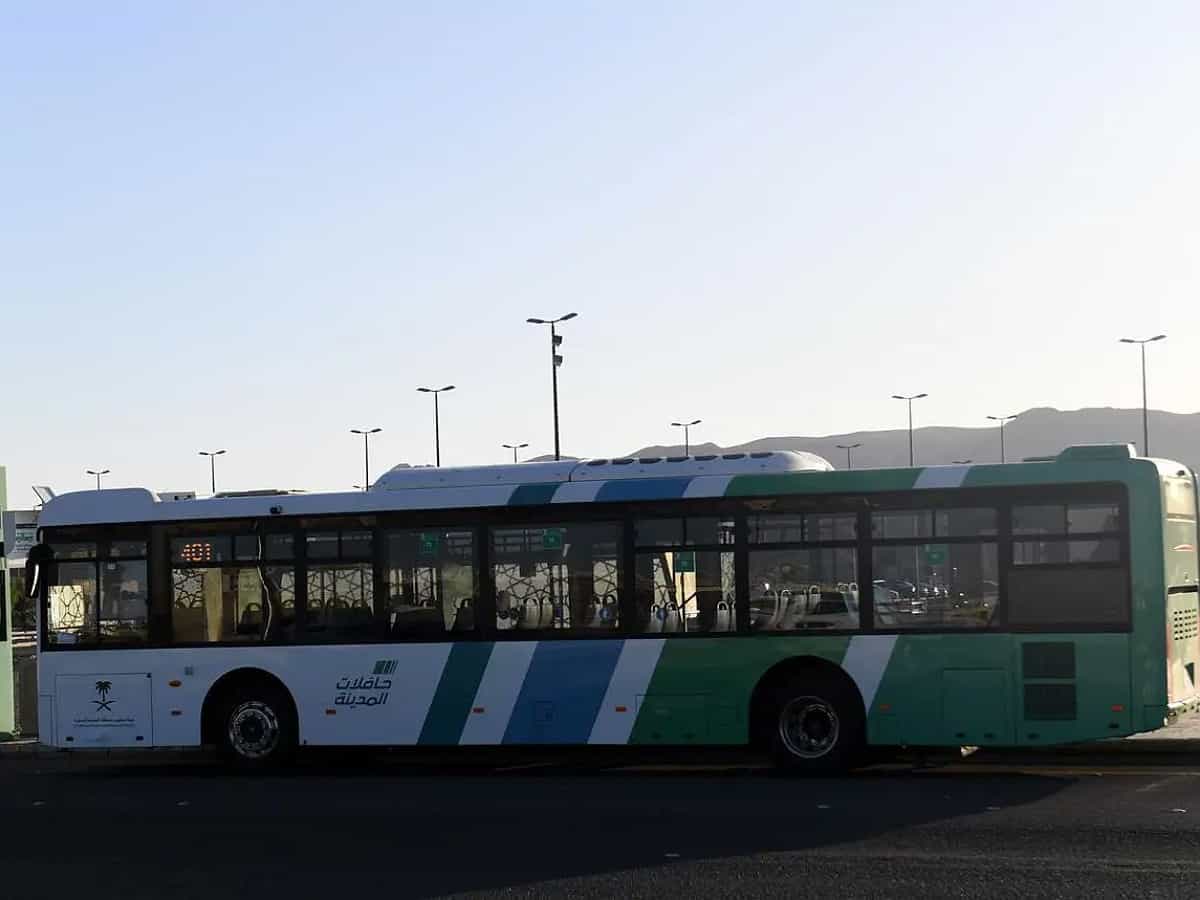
(104, 710)
(974, 711)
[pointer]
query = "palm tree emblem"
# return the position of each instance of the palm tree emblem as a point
(102, 688)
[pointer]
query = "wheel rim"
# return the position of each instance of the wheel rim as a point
(253, 730)
(809, 727)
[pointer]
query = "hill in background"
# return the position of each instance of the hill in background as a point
(1041, 431)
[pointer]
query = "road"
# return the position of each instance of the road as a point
(349, 826)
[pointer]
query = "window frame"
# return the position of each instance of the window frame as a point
(102, 537)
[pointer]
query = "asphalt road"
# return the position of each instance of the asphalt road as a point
(357, 826)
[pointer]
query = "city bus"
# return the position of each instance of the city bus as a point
(760, 599)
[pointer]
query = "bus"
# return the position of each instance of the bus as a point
(760, 599)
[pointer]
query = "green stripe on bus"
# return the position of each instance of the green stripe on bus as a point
(455, 692)
(700, 692)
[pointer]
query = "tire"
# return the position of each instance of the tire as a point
(816, 725)
(258, 727)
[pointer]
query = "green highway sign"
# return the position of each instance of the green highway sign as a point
(935, 555)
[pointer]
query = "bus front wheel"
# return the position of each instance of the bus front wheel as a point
(817, 726)
(258, 726)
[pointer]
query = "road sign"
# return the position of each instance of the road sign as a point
(685, 561)
(935, 554)
(429, 542)
(552, 539)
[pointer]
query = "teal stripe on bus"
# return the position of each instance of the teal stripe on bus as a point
(455, 692)
(533, 494)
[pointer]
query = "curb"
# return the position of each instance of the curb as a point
(31, 749)
(1129, 748)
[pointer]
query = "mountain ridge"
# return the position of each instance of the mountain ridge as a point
(1039, 431)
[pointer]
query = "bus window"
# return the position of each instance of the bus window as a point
(811, 588)
(1068, 567)
(341, 585)
(562, 577)
(100, 593)
(431, 582)
(71, 612)
(221, 594)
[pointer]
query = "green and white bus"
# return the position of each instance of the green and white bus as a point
(760, 599)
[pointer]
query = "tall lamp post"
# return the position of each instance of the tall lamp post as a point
(212, 465)
(97, 474)
(1001, 420)
(437, 427)
(687, 436)
(366, 436)
(848, 448)
(909, 398)
(555, 361)
(1145, 412)
(514, 448)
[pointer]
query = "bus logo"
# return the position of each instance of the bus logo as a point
(102, 688)
(384, 667)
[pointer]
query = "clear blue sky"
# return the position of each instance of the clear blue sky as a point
(256, 225)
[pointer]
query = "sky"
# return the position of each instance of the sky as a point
(257, 225)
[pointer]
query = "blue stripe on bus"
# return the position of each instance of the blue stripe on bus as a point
(562, 692)
(644, 489)
(532, 494)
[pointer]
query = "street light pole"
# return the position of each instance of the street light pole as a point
(437, 427)
(910, 399)
(366, 436)
(514, 448)
(212, 465)
(1001, 420)
(687, 437)
(97, 474)
(555, 361)
(848, 448)
(1145, 409)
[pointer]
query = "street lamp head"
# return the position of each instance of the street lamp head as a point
(1128, 341)
(919, 396)
(1157, 337)
(448, 387)
(567, 317)
(537, 321)
(94, 472)
(425, 390)
(375, 431)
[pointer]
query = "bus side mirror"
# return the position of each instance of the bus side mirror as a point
(36, 565)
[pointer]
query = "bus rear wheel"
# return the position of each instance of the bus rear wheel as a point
(258, 727)
(816, 726)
